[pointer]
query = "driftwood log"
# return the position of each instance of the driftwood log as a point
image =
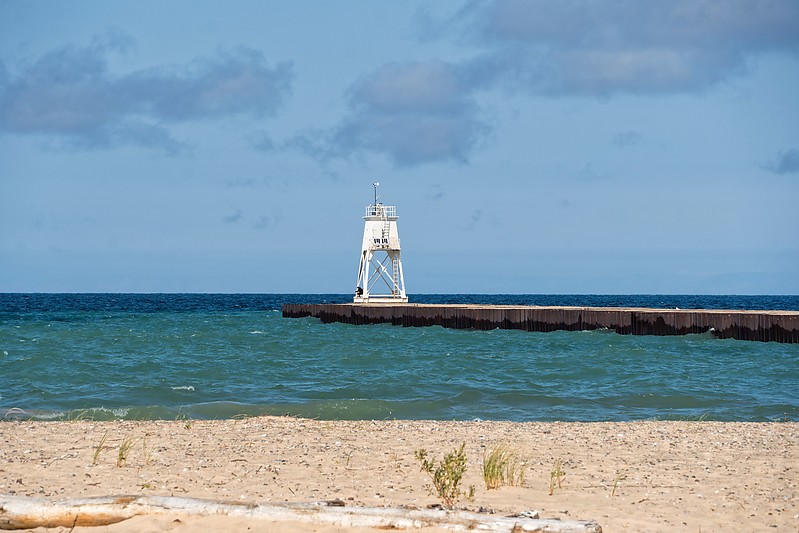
(18, 512)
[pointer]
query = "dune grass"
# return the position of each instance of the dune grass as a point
(124, 450)
(556, 476)
(502, 466)
(99, 448)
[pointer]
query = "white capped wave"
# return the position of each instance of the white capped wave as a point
(184, 387)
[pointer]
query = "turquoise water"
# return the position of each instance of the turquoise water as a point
(220, 356)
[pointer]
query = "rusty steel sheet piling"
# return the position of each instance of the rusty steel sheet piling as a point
(767, 326)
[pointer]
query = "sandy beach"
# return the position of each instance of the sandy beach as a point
(630, 476)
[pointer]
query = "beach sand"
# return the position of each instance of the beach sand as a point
(668, 476)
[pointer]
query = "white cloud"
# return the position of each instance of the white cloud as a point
(234, 217)
(623, 139)
(70, 94)
(607, 47)
(786, 162)
(413, 112)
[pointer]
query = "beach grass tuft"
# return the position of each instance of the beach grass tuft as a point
(185, 419)
(502, 466)
(556, 476)
(99, 448)
(147, 451)
(124, 451)
(79, 415)
(239, 417)
(620, 475)
(447, 475)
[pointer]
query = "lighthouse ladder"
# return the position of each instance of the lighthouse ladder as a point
(386, 233)
(395, 272)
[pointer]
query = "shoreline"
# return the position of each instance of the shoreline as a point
(626, 476)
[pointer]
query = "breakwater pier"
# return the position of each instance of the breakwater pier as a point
(767, 326)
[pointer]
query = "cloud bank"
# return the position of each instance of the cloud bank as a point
(603, 48)
(412, 112)
(420, 112)
(69, 93)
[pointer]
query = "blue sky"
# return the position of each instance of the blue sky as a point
(530, 146)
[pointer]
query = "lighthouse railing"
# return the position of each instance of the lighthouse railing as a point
(380, 210)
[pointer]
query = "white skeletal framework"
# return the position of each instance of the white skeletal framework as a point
(380, 278)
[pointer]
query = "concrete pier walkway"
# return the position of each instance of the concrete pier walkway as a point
(776, 326)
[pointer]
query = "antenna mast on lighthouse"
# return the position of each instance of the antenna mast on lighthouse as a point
(380, 278)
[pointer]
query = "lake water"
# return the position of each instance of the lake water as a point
(168, 356)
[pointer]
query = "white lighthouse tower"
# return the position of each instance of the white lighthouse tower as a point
(380, 272)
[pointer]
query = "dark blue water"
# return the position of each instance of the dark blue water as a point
(218, 356)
